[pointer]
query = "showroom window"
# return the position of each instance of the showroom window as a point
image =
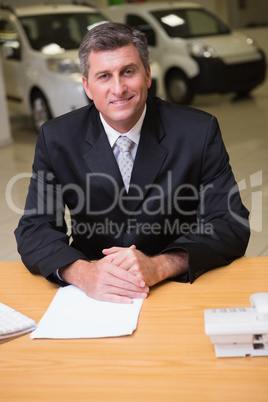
(66, 30)
(143, 26)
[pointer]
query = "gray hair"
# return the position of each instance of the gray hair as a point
(111, 36)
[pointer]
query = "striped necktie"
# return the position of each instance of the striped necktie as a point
(125, 162)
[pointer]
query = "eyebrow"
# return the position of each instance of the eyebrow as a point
(123, 68)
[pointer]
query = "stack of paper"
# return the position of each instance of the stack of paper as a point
(72, 314)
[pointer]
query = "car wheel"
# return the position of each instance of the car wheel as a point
(179, 88)
(244, 94)
(40, 110)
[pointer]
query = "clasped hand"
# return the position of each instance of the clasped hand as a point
(123, 274)
(120, 276)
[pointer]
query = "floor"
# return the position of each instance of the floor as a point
(244, 125)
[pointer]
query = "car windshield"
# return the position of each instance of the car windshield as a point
(188, 23)
(66, 30)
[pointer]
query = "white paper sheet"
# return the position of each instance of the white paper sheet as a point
(72, 314)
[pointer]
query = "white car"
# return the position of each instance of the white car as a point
(39, 53)
(196, 51)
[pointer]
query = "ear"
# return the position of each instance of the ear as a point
(148, 76)
(86, 88)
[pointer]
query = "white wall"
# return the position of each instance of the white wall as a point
(237, 13)
(245, 12)
(17, 3)
(5, 133)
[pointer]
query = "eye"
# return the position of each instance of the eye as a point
(103, 77)
(129, 72)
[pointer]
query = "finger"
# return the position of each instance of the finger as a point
(125, 275)
(119, 278)
(120, 255)
(107, 273)
(126, 259)
(126, 293)
(135, 269)
(114, 249)
(116, 259)
(115, 298)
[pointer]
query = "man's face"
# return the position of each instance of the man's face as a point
(117, 83)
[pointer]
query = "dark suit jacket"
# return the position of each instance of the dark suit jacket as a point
(183, 193)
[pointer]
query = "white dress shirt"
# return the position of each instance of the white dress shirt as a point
(133, 134)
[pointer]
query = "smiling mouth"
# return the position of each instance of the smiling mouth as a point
(121, 102)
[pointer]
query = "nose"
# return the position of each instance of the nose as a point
(118, 86)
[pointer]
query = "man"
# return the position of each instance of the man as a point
(179, 216)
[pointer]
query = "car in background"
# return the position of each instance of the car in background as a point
(197, 52)
(39, 53)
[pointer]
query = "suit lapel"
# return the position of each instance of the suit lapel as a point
(150, 156)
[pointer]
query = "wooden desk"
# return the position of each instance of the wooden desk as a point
(169, 356)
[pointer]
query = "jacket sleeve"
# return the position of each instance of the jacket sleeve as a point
(222, 231)
(41, 235)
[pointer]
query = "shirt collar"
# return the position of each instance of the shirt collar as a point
(133, 133)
